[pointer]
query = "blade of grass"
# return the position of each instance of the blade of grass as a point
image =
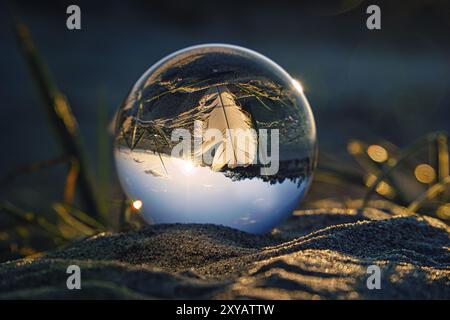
(84, 218)
(31, 167)
(255, 95)
(443, 161)
(121, 219)
(71, 181)
(64, 214)
(103, 156)
(60, 116)
(443, 157)
(372, 170)
(431, 193)
(395, 162)
(30, 217)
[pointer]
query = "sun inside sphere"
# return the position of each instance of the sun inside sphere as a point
(216, 134)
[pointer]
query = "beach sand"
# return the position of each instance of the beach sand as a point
(316, 254)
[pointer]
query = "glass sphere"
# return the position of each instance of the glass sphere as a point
(216, 134)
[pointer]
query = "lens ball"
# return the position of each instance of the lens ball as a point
(216, 134)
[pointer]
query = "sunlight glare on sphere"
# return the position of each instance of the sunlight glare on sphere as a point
(297, 85)
(137, 204)
(216, 134)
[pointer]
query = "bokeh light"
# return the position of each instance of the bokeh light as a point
(443, 211)
(354, 147)
(425, 173)
(377, 153)
(382, 188)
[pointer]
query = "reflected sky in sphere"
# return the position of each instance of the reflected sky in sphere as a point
(189, 194)
(223, 178)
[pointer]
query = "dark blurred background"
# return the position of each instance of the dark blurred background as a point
(388, 84)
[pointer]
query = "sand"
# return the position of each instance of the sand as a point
(316, 254)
